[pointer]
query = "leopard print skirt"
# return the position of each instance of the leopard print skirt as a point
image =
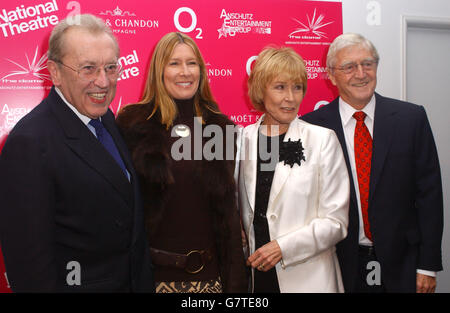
(208, 286)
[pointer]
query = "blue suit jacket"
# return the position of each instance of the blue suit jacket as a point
(63, 199)
(405, 197)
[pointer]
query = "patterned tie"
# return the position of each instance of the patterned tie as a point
(363, 158)
(106, 140)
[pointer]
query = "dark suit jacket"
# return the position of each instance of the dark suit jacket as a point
(64, 198)
(405, 197)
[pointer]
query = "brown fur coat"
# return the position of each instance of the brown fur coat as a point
(148, 144)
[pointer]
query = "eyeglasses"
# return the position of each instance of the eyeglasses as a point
(367, 65)
(90, 72)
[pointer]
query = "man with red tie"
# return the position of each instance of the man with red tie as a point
(396, 209)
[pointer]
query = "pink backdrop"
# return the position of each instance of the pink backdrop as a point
(229, 33)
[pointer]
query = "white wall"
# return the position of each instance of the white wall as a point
(381, 22)
(386, 33)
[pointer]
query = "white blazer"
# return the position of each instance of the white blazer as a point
(308, 206)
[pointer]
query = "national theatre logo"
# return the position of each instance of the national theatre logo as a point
(28, 18)
(126, 22)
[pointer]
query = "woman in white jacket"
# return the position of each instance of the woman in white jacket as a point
(293, 184)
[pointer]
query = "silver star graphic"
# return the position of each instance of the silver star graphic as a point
(313, 25)
(223, 31)
(34, 67)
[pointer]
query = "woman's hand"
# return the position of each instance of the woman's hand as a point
(265, 257)
(244, 239)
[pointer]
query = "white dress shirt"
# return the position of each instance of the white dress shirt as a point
(346, 112)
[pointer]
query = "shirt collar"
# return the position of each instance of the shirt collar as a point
(82, 117)
(347, 111)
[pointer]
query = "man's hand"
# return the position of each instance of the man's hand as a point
(425, 284)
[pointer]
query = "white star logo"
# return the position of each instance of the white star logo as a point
(223, 31)
(313, 26)
(34, 68)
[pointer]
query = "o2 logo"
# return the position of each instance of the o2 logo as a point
(176, 21)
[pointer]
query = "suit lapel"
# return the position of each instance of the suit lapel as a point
(383, 130)
(249, 157)
(333, 121)
(109, 122)
(83, 143)
(282, 171)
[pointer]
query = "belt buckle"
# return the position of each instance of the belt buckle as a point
(200, 253)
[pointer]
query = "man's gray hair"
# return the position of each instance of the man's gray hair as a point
(347, 40)
(88, 22)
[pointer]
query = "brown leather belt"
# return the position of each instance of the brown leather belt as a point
(192, 262)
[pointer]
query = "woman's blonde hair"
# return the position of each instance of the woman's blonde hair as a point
(155, 90)
(270, 64)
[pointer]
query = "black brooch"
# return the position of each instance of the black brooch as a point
(291, 152)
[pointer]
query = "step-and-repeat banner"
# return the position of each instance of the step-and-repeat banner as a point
(229, 33)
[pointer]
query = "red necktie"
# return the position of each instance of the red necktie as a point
(363, 157)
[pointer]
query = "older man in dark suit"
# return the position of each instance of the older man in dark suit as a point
(396, 210)
(71, 216)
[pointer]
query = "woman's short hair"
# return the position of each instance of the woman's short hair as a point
(347, 40)
(89, 22)
(155, 90)
(270, 64)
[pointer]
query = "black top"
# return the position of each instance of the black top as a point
(187, 221)
(264, 281)
(187, 210)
